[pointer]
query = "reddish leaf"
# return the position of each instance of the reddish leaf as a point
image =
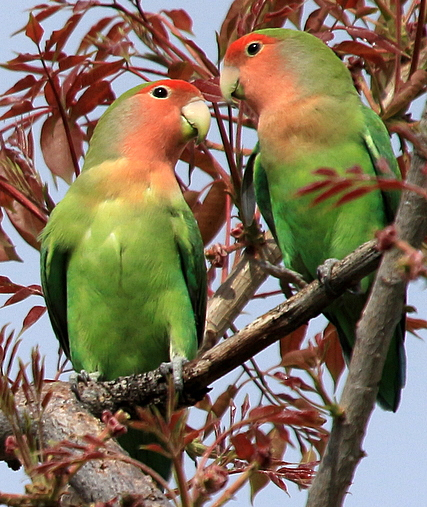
(7, 286)
(211, 214)
(335, 189)
(326, 171)
(93, 34)
(359, 49)
(354, 194)
(71, 61)
(49, 94)
(55, 148)
(413, 325)
(279, 439)
(17, 195)
(210, 89)
(180, 19)
(277, 480)
(23, 67)
(313, 187)
(316, 20)
(355, 170)
(93, 97)
(26, 223)
(157, 27)
(348, 4)
(7, 250)
(23, 293)
(333, 353)
(181, 70)
(46, 13)
(293, 382)
(244, 448)
(114, 43)
(310, 418)
(33, 316)
(222, 403)
(34, 30)
(191, 197)
(302, 359)
(264, 413)
(99, 72)
(374, 38)
(228, 32)
(203, 160)
(293, 340)
(18, 109)
(361, 12)
(276, 414)
(22, 84)
(60, 37)
(88, 78)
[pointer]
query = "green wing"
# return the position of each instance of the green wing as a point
(53, 277)
(191, 253)
(377, 142)
(255, 190)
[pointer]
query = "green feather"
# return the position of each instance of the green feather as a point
(124, 278)
(337, 132)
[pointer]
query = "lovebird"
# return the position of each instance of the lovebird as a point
(310, 116)
(122, 259)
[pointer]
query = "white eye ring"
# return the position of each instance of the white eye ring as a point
(160, 92)
(254, 48)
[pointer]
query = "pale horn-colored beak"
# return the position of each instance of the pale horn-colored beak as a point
(229, 83)
(196, 114)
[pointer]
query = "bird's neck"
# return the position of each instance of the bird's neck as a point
(302, 127)
(129, 179)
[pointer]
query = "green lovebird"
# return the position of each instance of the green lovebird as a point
(311, 117)
(122, 262)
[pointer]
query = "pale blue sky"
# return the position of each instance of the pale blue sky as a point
(394, 472)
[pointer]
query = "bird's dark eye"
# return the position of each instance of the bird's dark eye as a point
(254, 48)
(160, 92)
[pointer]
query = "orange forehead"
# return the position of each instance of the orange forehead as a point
(174, 84)
(238, 47)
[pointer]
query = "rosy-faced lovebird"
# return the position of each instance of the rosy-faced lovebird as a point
(122, 261)
(311, 117)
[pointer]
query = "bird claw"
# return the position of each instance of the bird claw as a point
(175, 367)
(324, 272)
(82, 376)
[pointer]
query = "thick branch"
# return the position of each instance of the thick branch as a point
(374, 334)
(99, 480)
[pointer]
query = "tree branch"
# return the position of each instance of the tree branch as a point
(234, 294)
(99, 480)
(374, 333)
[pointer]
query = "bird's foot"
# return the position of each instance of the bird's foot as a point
(324, 272)
(175, 367)
(82, 376)
(283, 274)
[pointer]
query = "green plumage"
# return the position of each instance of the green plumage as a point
(123, 269)
(316, 120)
